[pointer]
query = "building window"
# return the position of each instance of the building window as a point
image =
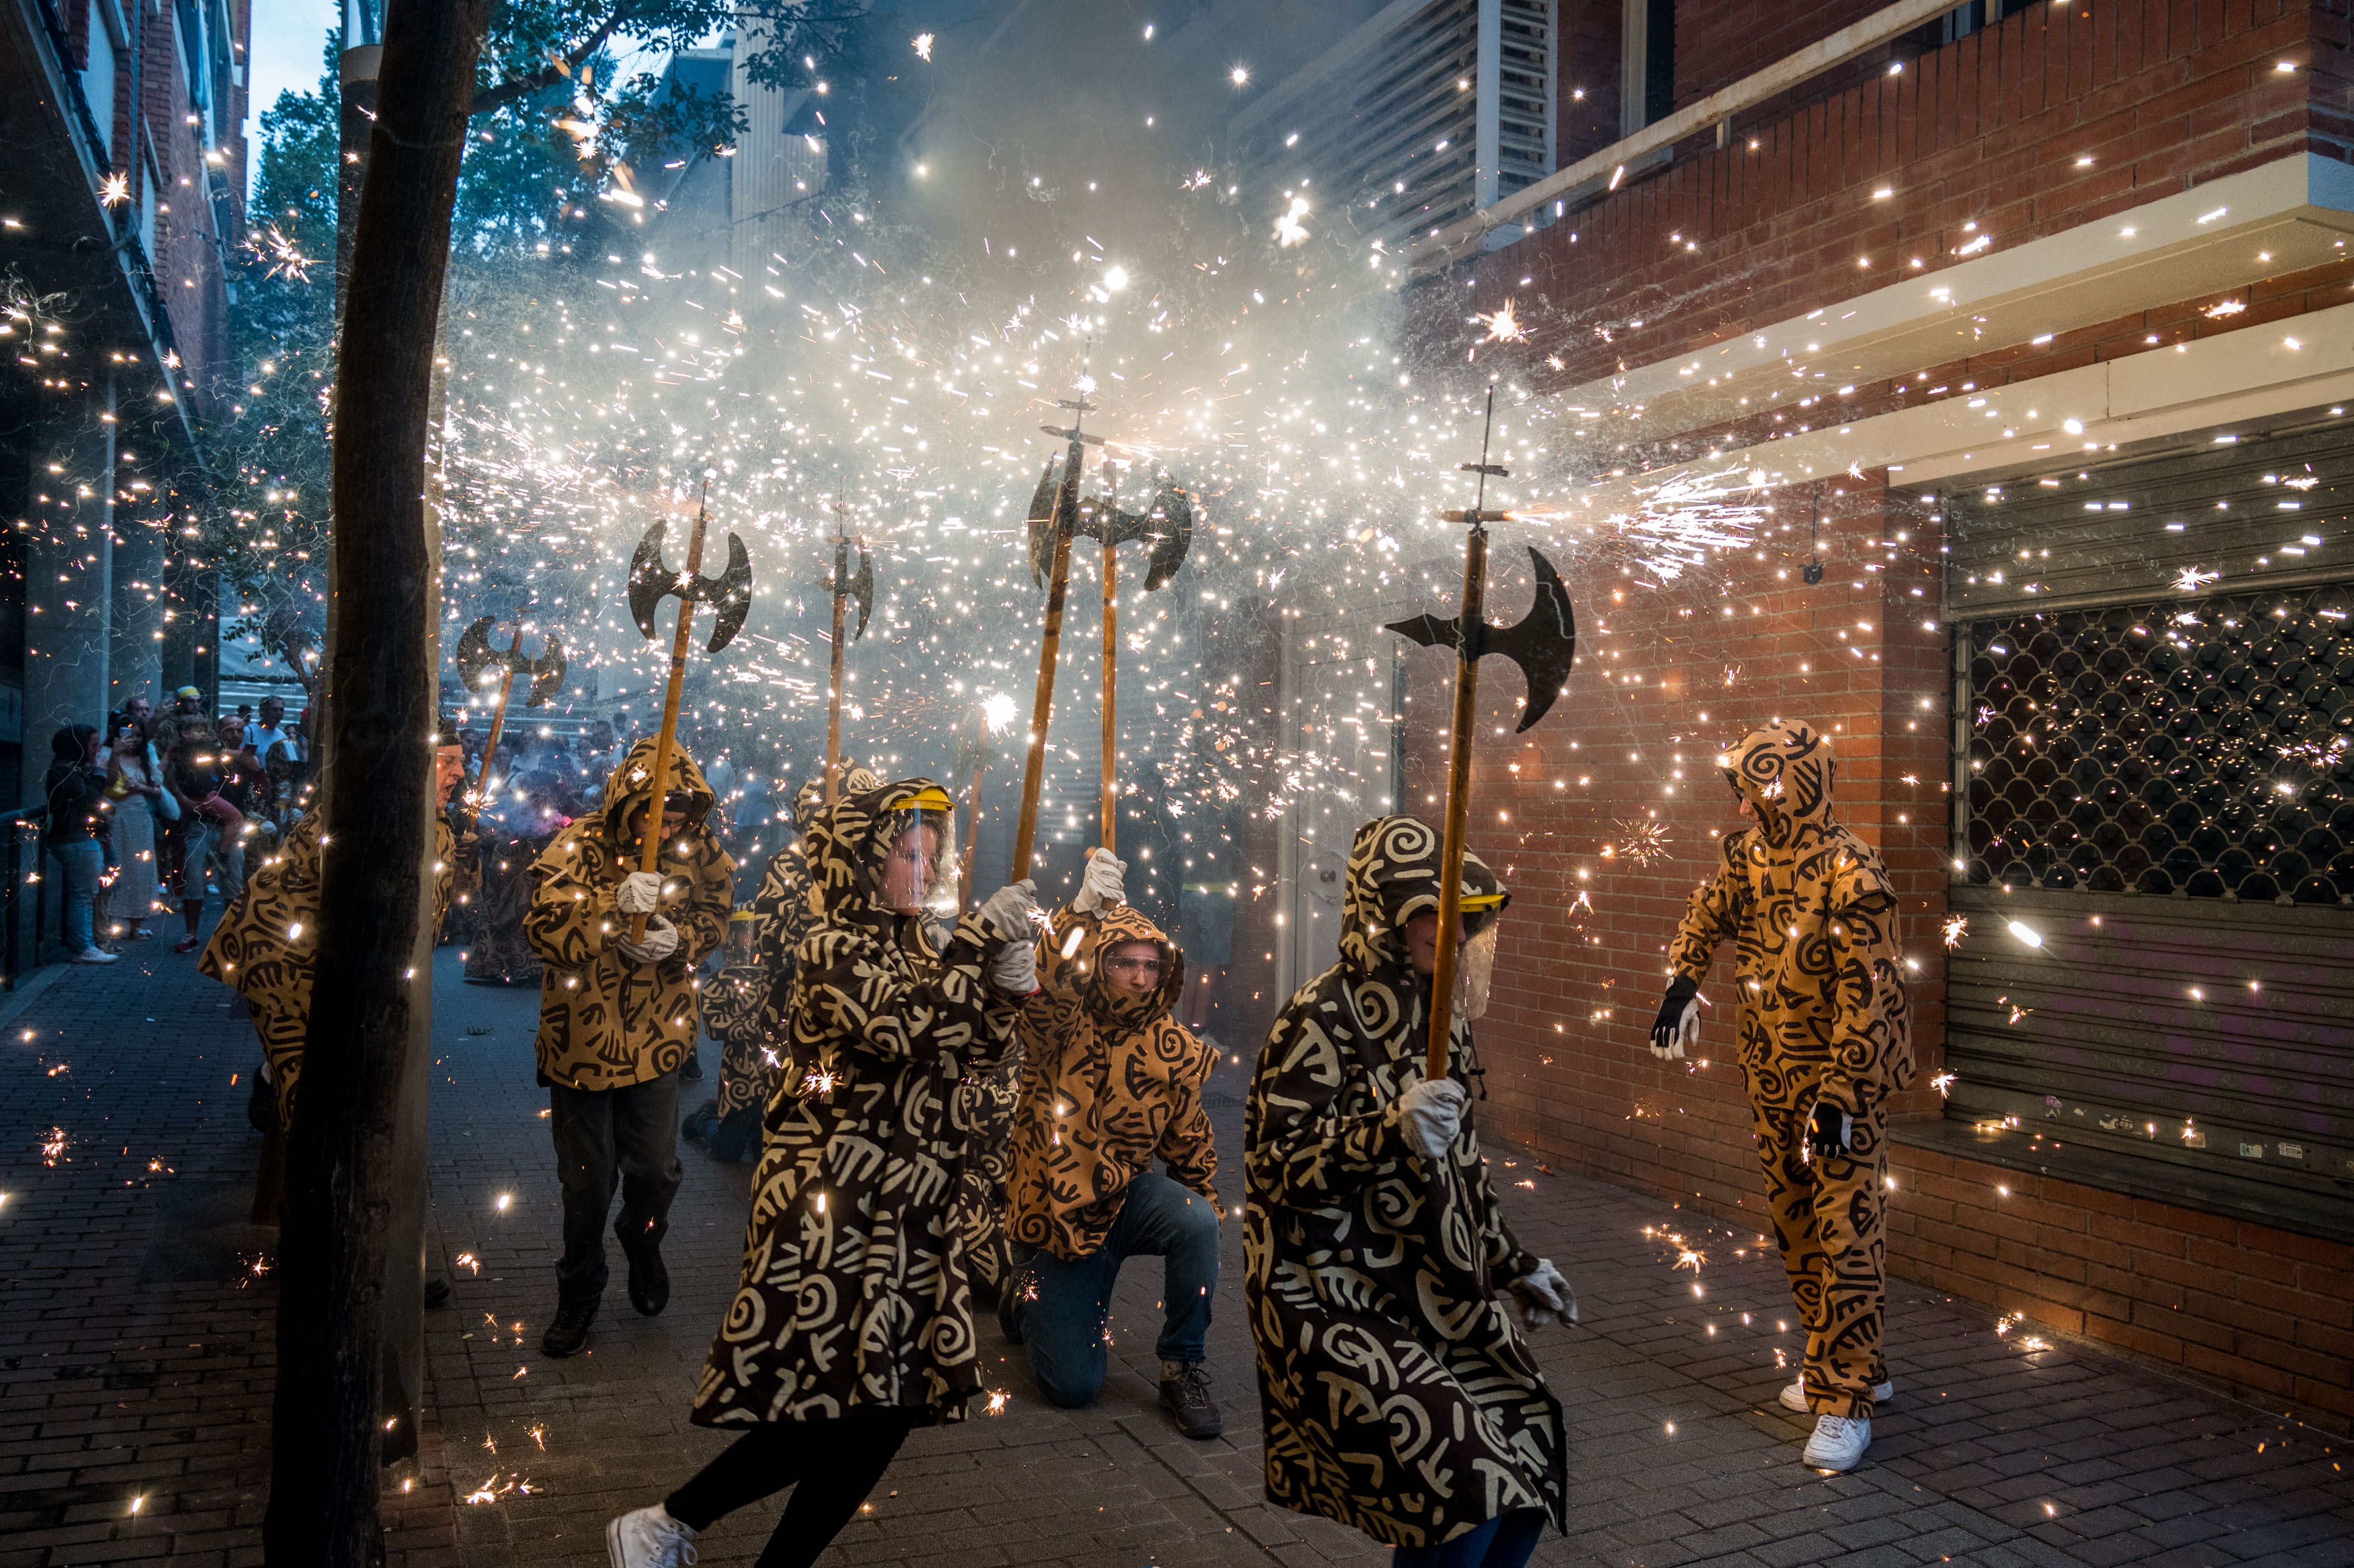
(1648, 63)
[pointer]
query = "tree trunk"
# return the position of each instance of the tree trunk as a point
(327, 1438)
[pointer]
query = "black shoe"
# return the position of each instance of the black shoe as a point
(692, 1068)
(1187, 1398)
(1009, 1297)
(437, 1292)
(649, 1280)
(569, 1331)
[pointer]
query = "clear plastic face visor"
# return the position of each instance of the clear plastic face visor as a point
(931, 818)
(1475, 965)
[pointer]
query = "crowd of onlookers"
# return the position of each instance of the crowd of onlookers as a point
(144, 819)
(148, 818)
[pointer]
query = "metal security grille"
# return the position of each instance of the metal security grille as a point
(2205, 748)
(2154, 818)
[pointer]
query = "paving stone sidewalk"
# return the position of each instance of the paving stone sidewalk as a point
(136, 1364)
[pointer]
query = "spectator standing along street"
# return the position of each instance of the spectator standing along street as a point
(75, 832)
(131, 784)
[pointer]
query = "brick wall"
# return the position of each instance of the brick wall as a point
(2264, 1313)
(2162, 95)
(1663, 670)
(1717, 45)
(1586, 115)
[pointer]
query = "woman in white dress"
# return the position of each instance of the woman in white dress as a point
(132, 785)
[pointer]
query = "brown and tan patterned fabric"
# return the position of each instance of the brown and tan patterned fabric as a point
(781, 907)
(1398, 1394)
(854, 1290)
(605, 1022)
(731, 1014)
(1110, 1082)
(1822, 1017)
(263, 946)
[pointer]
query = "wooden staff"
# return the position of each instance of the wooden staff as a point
(972, 826)
(650, 857)
(1458, 801)
(1058, 582)
(834, 691)
(498, 717)
(1110, 695)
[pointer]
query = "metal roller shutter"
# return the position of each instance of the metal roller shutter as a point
(2154, 787)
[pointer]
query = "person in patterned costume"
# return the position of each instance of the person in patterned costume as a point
(514, 829)
(1824, 1041)
(1109, 1081)
(852, 1324)
(728, 1124)
(781, 907)
(617, 1019)
(1388, 1299)
(263, 945)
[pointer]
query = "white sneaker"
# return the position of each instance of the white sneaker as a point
(96, 956)
(650, 1538)
(1839, 1442)
(1795, 1396)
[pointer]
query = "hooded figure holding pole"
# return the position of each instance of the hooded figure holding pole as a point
(618, 1017)
(852, 1322)
(1825, 1039)
(1388, 1298)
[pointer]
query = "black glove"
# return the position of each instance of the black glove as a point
(1668, 1031)
(1830, 1132)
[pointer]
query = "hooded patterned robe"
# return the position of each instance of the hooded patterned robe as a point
(854, 1290)
(1109, 1083)
(263, 946)
(731, 1012)
(1822, 1018)
(1398, 1393)
(606, 1022)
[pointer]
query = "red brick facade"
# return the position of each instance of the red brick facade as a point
(1603, 817)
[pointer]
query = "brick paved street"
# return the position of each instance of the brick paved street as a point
(136, 1359)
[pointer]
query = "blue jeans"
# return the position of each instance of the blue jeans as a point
(1504, 1541)
(81, 863)
(1060, 1307)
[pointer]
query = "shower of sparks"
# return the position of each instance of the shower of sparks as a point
(1944, 1084)
(1502, 326)
(923, 42)
(2190, 579)
(1289, 229)
(998, 1402)
(115, 190)
(1641, 842)
(1690, 1258)
(819, 1084)
(53, 1146)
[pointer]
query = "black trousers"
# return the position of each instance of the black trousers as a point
(829, 1465)
(606, 1139)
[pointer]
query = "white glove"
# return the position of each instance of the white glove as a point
(1544, 1297)
(661, 941)
(1014, 971)
(1011, 912)
(1102, 886)
(639, 892)
(1431, 1113)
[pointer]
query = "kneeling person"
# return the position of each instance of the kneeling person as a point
(1109, 1081)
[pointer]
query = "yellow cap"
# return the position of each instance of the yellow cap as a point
(1479, 903)
(741, 915)
(932, 799)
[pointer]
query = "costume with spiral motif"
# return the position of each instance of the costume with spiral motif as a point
(1822, 1018)
(1398, 1393)
(854, 1290)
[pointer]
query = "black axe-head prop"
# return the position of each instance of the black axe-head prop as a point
(1544, 644)
(1168, 527)
(858, 585)
(729, 594)
(477, 661)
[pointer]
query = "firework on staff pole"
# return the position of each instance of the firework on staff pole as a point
(477, 661)
(730, 598)
(843, 587)
(1168, 527)
(1544, 645)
